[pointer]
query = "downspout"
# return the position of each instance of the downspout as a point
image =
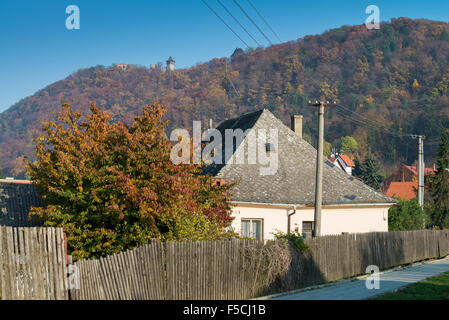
(288, 218)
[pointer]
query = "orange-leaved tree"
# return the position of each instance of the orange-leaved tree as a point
(113, 187)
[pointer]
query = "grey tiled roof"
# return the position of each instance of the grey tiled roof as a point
(294, 182)
(16, 200)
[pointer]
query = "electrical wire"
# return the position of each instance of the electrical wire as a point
(265, 21)
(429, 143)
(224, 22)
(236, 20)
(252, 21)
(363, 121)
(374, 123)
(230, 80)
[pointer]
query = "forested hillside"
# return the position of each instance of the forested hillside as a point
(397, 76)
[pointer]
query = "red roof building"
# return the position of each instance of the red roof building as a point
(406, 174)
(427, 171)
(343, 161)
(403, 182)
(347, 160)
(403, 190)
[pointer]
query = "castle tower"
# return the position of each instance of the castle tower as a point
(170, 64)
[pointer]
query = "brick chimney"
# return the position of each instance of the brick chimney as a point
(296, 124)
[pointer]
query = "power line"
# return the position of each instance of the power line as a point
(363, 121)
(235, 19)
(382, 127)
(431, 142)
(373, 122)
(359, 122)
(258, 13)
(218, 16)
(230, 80)
(252, 21)
(377, 124)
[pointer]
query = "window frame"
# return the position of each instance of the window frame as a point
(250, 224)
(307, 230)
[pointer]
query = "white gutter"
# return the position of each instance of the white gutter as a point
(360, 204)
(268, 204)
(310, 206)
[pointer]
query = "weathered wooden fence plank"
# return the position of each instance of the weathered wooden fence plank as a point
(32, 264)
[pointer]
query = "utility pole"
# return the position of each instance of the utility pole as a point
(421, 171)
(420, 168)
(319, 165)
(230, 80)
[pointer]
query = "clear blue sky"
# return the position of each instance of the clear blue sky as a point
(36, 49)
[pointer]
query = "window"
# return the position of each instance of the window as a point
(307, 229)
(252, 228)
(269, 147)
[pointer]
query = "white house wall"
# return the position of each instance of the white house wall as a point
(334, 220)
(273, 219)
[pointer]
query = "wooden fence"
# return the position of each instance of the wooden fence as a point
(345, 256)
(32, 264)
(243, 269)
(169, 270)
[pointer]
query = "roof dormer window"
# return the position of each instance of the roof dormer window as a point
(269, 147)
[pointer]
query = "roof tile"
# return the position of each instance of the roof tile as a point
(403, 190)
(294, 181)
(16, 200)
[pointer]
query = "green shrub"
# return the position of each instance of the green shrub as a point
(407, 215)
(295, 239)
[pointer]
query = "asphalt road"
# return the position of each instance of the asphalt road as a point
(356, 289)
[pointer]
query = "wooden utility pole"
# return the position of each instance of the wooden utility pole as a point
(319, 165)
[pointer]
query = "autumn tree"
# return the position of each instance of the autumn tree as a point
(113, 187)
(327, 148)
(348, 145)
(415, 86)
(440, 186)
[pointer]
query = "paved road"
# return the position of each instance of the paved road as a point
(355, 289)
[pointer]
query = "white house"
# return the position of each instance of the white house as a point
(264, 204)
(345, 163)
(122, 66)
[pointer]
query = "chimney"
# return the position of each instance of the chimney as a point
(296, 124)
(434, 166)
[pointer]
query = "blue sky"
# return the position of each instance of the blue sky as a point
(36, 49)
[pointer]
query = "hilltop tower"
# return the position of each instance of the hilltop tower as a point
(170, 64)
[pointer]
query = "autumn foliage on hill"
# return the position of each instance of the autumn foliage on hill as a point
(397, 75)
(113, 187)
